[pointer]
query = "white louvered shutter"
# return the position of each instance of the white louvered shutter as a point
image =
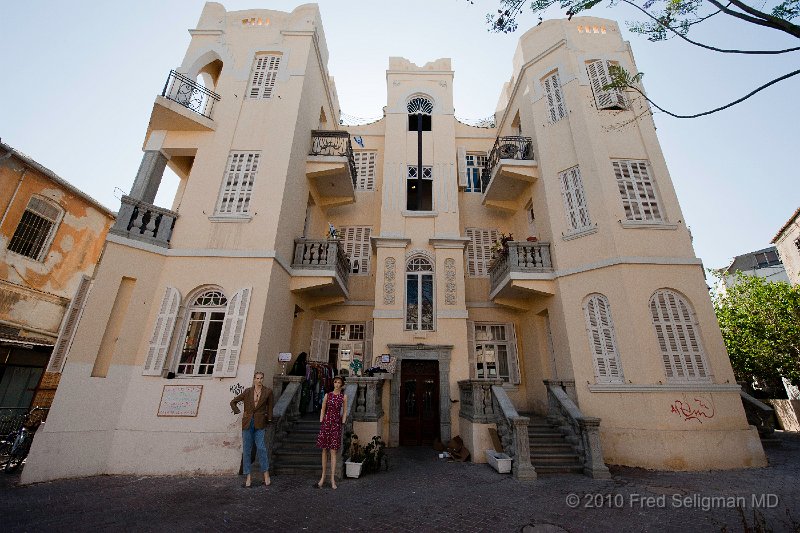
(365, 169)
(513, 357)
(237, 183)
(471, 348)
(262, 79)
(319, 341)
(479, 250)
(678, 337)
(230, 342)
(368, 334)
(162, 332)
(637, 190)
(603, 340)
(574, 199)
(555, 98)
(461, 158)
(599, 77)
(69, 325)
(357, 247)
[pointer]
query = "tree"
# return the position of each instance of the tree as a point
(666, 19)
(760, 323)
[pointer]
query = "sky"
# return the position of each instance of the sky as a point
(78, 80)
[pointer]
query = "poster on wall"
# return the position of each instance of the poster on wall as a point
(180, 400)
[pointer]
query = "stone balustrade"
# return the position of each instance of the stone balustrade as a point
(144, 222)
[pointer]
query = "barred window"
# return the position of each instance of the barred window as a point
(365, 169)
(237, 185)
(479, 250)
(637, 190)
(36, 229)
(263, 76)
(678, 336)
(574, 200)
(555, 98)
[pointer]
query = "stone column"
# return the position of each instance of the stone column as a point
(593, 453)
(148, 178)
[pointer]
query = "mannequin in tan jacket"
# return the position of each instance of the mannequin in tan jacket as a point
(257, 413)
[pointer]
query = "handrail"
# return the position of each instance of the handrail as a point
(520, 256)
(350, 391)
(334, 143)
(189, 94)
(144, 222)
(321, 254)
(513, 431)
(507, 147)
(286, 409)
(584, 431)
(759, 414)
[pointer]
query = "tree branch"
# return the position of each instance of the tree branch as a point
(759, 18)
(726, 106)
(707, 47)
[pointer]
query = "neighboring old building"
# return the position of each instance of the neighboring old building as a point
(51, 237)
(763, 263)
(787, 241)
(597, 313)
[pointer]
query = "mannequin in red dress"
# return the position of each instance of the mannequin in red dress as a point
(332, 418)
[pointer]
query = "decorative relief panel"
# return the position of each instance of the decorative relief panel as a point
(450, 281)
(388, 280)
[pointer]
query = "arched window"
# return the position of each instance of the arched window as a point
(36, 229)
(419, 114)
(678, 336)
(603, 340)
(419, 294)
(203, 331)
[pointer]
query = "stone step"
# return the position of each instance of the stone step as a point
(545, 470)
(555, 447)
(298, 452)
(554, 459)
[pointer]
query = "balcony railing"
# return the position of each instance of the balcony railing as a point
(321, 255)
(334, 143)
(189, 94)
(144, 222)
(512, 147)
(521, 257)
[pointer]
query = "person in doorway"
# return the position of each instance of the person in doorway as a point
(332, 417)
(257, 413)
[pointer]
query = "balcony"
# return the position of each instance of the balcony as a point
(184, 105)
(524, 272)
(331, 169)
(510, 169)
(143, 222)
(320, 270)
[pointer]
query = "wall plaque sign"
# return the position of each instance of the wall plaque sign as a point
(180, 400)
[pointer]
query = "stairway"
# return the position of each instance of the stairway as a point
(296, 452)
(551, 453)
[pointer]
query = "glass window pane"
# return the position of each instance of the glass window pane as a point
(412, 301)
(427, 302)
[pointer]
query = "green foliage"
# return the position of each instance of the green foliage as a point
(760, 323)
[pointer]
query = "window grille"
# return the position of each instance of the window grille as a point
(637, 190)
(262, 79)
(357, 247)
(603, 340)
(678, 336)
(574, 200)
(599, 77)
(475, 165)
(419, 105)
(365, 169)
(427, 173)
(479, 250)
(237, 185)
(36, 229)
(555, 98)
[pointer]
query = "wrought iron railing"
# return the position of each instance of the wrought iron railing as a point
(322, 255)
(144, 222)
(520, 257)
(582, 431)
(509, 147)
(189, 94)
(334, 143)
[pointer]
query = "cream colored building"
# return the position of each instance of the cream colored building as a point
(787, 241)
(599, 293)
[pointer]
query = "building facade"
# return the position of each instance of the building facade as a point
(787, 241)
(765, 263)
(51, 237)
(596, 310)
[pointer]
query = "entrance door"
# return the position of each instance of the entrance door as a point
(419, 402)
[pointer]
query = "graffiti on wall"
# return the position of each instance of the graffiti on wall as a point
(237, 389)
(694, 407)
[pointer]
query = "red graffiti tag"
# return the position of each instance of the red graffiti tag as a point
(698, 409)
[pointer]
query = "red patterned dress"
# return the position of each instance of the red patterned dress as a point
(330, 430)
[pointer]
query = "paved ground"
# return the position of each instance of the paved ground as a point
(420, 492)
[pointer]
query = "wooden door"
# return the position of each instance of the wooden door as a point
(419, 402)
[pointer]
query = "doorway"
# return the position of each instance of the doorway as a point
(419, 402)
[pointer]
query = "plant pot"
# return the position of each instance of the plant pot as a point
(352, 469)
(499, 461)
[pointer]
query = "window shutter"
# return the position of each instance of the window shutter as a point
(162, 333)
(68, 326)
(676, 330)
(513, 358)
(365, 169)
(319, 341)
(603, 341)
(262, 80)
(574, 199)
(237, 184)
(637, 190)
(471, 348)
(555, 98)
(230, 342)
(357, 247)
(461, 158)
(599, 77)
(479, 250)
(368, 334)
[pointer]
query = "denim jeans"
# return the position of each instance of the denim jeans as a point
(248, 436)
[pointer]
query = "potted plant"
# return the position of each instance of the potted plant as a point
(355, 458)
(375, 454)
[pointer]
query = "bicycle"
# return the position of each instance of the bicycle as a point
(21, 439)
